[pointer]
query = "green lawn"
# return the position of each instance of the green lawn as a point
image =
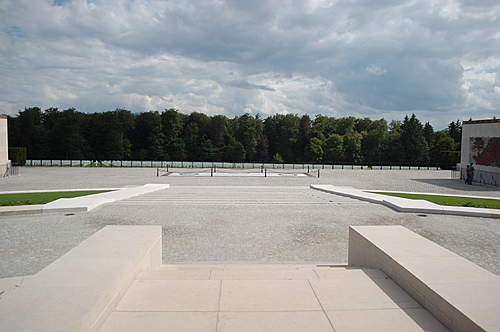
(42, 198)
(450, 200)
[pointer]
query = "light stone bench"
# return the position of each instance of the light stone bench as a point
(409, 205)
(77, 291)
(462, 295)
(80, 203)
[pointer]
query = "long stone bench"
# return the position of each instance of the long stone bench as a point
(77, 291)
(462, 295)
(80, 203)
(409, 205)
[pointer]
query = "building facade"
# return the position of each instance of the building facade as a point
(481, 148)
(4, 147)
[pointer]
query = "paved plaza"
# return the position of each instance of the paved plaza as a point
(240, 219)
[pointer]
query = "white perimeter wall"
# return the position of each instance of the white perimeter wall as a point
(4, 158)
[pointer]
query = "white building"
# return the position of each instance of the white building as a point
(481, 148)
(4, 146)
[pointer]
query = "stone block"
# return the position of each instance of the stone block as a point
(78, 290)
(462, 295)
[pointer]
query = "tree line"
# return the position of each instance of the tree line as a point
(173, 135)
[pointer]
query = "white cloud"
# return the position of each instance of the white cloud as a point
(376, 70)
(366, 58)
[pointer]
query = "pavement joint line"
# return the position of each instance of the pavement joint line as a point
(218, 304)
(321, 305)
(236, 311)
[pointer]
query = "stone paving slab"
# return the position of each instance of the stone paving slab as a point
(267, 295)
(359, 294)
(297, 298)
(300, 321)
(160, 322)
(408, 320)
(171, 295)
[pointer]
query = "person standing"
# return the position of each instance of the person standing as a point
(471, 170)
(467, 174)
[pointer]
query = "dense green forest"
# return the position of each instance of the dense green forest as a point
(172, 135)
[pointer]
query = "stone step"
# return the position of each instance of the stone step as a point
(258, 272)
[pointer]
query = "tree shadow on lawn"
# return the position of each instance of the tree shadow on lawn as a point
(458, 184)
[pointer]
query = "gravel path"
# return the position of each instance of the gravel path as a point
(240, 219)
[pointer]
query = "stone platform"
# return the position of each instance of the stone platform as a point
(396, 280)
(276, 297)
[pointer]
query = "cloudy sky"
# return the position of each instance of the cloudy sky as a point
(439, 59)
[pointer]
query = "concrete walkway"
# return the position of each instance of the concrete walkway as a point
(244, 298)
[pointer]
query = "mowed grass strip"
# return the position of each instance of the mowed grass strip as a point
(450, 200)
(42, 197)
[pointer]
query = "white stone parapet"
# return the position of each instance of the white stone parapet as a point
(409, 205)
(462, 295)
(4, 146)
(79, 204)
(77, 291)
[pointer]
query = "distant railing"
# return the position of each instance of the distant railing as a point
(456, 174)
(205, 164)
(486, 177)
(9, 171)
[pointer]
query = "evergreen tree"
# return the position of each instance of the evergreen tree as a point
(413, 141)
(393, 151)
(455, 131)
(305, 128)
(428, 134)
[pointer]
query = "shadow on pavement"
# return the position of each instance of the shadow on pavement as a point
(458, 185)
